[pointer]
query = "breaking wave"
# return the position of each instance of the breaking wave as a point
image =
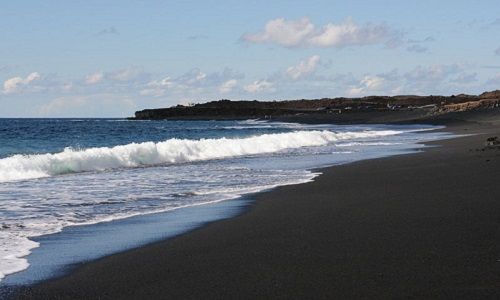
(172, 151)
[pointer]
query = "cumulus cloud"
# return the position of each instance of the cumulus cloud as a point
(17, 84)
(129, 75)
(369, 84)
(192, 83)
(423, 80)
(304, 67)
(348, 34)
(227, 86)
(259, 86)
(193, 77)
(283, 32)
(157, 88)
(94, 78)
(303, 33)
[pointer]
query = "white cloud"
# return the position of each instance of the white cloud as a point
(192, 83)
(422, 80)
(127, 74)
(369, 84)
(191, 78)
(349, 34)
(164, 83)
(303, 33)
(228, 86)
(157, 88)
(67, 86)
(94, 78)
(200, 76)
(427, 80)
(304, 68)
(16, 84)
(283, 32)
(259, 86)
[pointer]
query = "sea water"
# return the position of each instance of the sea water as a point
(58, 173)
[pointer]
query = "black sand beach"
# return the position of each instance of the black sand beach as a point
(423, 225)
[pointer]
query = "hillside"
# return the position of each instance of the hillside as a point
(406, 106)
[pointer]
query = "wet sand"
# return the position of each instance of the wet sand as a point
(424, 225)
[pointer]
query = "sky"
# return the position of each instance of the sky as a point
(110, 58)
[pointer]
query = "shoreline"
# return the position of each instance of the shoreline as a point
(82, 243)
(67, 285)
(79, 244)
(58, 253)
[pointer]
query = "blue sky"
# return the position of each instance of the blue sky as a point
(110, 58)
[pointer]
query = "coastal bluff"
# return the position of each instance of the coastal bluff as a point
(404, 107)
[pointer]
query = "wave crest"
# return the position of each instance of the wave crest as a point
(19, 167)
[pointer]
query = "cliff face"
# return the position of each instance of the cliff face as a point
(470, 105)
(226, 109)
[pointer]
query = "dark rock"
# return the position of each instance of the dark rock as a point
(492, 142)
(226, 109)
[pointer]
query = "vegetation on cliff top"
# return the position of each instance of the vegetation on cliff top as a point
(227, 109)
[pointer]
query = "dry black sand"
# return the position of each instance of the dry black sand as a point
(423, 225)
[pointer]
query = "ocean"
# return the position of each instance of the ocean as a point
(58, 174)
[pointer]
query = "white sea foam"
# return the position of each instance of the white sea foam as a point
(15, 243)
(40, 207)
(19, 167)
(13, 250)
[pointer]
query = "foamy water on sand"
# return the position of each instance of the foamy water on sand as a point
(59, 173)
